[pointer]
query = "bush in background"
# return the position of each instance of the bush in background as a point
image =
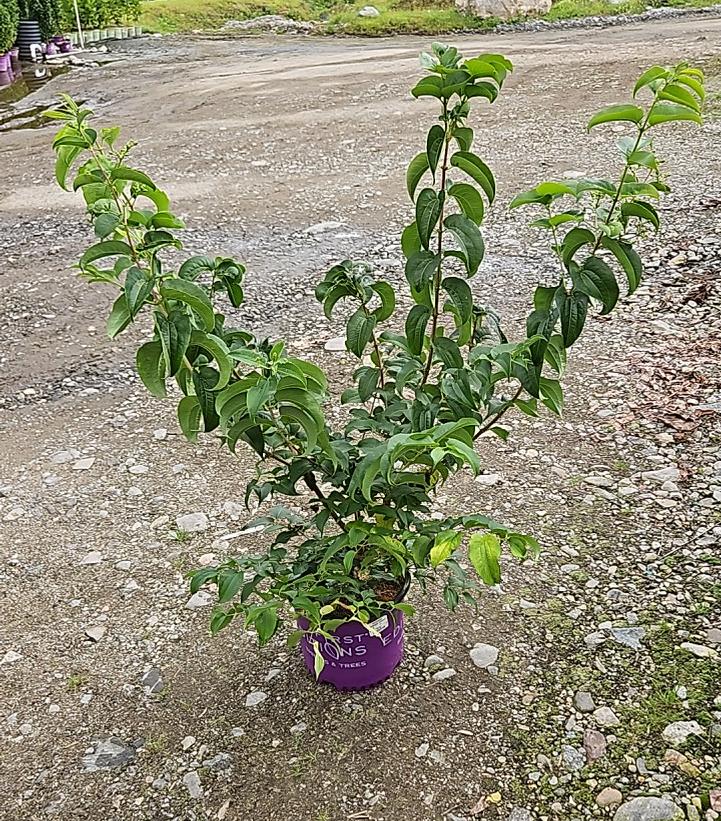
(8, 28)
(99, 13)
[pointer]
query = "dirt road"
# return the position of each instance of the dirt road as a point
(290, 154)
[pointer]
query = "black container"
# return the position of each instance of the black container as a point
(28, 34)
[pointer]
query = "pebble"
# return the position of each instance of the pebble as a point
(255, 698)
(594, 743)
(433, 661)
(713, 635)
(608, 797)
(336, 344)
(484, 655)
(443, 675)
(605, 717)
(667, 474)
(628, 636)
(94, 557)
(108, 753)
(649, 808)
(573, 758)
(700, 650)
(583, 702)
(678, 732)
(10, 657)
(84, 464)
(191, 782)
(95, 633)
(200, 599)
(153, 681)
(192, 522)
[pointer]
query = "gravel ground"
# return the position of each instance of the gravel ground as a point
(116, 703)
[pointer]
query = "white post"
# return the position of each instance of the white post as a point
(80, 29)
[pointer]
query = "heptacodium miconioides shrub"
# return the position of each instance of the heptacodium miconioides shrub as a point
(429, 383)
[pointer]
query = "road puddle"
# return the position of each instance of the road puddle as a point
(15, 86)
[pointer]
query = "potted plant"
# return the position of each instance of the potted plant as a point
(8, 33)
(40, 20)
(428, 383)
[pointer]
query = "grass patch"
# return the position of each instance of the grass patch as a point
(428, 17)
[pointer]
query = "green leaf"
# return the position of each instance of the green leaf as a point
(318, 660)
(258, 396)
(573, 308)
(672, 112)
(448, 352)
(428, 210)
(174, 331)
(444, 545)
(109, 248)
(138, 287)
(416, 169)
(616, 113)
(204, 382)
(334, 296)
(484, 552)
(266, 624)
(306, 421)
(195, 266)
(628, 259)
(555, 354)
(150, 365)
(66, 156)
(421, 268)
(641, 210)
(192, 295)
(434, 146)
(596, 279)
(675, 93)
(469, 238)
(649, 76)
(123, 173)
(367, 383)
(551, 394)
(575, 239)
(189, 417)
(410, 241)
(388, 300)
(477, 170)
(428, 87)
(464, 137)
(461, 296)
(694, 84)
(359, 331)
(469, 201)
(215, 346)
(415, 327)
(229, 583)
(105, 223)
(164, 219)
(119, 318)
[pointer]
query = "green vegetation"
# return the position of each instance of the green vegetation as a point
(420, 398)
(396, 16)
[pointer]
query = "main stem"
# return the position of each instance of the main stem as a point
(439, 270)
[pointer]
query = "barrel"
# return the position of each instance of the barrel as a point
(28, 33)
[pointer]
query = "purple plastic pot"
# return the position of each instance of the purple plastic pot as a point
(357, 659)
(5, 62)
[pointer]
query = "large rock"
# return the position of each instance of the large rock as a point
(503, 9)
(649, 809)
